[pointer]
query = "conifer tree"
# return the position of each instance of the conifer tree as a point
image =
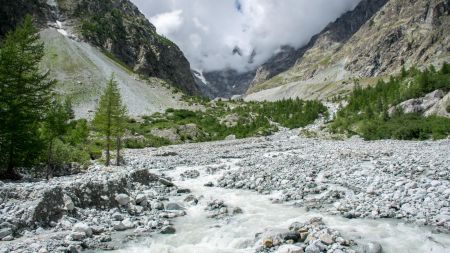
(110, 118)
(24, 97)
(55, 126)
(445, 68)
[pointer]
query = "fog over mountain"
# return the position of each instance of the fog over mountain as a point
(239, 34)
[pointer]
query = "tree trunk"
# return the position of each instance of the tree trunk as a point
(119, 146)
(108, 133)
(11, 173)
(108, 147)
(49, 159)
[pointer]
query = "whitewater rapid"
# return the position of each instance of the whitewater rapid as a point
(196, 233)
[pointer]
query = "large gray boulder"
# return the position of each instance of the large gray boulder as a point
(373, 247)
(434, 103)
(142, 176)
(230, 137)
(230, 120)
(104, 193)
(4, 232)
(440, 108)
(50, 207)
(99, 193)
(289, 249)
(122, 199)
(168, 230)
(169, 134)
(173, 207)
(82, 228)
(190, 132)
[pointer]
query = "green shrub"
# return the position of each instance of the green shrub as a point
(254, 119)
(95, 151)
(77, 133)
(406, 127)
(367, 109)
(183, 114)
(147, 141)
(65, 153)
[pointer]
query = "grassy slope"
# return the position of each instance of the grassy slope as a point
(82, 71)
(221, 119)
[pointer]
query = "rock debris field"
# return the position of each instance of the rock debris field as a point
(355, 181)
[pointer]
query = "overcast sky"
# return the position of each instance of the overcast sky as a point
(208, 31)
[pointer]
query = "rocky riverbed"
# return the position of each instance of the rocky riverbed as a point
(356, 179)
(280, 194)
(99, 209)
(403, 181)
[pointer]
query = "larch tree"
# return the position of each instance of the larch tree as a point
(55, 126)
(25, 92)
(110, 118)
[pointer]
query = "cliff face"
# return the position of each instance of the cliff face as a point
(225, 83)
(321, 47)
(115, 26)
(375, 39)
(324, 44)
(118, 27)
(316, 53)
(12, 13)
(404, 32)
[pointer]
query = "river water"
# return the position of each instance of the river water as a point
(199, 234)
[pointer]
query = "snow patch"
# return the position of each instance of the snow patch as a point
(199, 75)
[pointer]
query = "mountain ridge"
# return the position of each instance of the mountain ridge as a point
(337, 31)
(223, 83)
(82, 71)
(401, 33)
(114, 26)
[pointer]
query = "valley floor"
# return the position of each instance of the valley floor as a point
(367, 190)
(244, 194)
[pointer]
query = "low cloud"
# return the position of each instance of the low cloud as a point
(168, 22)
(209, 31)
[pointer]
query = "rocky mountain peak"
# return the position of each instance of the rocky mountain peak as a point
(115, 26)
(376, 39)
(402, 33)
(332, 36)
(224, 83)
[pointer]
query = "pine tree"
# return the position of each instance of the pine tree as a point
(24, 97)
(404, 72)
(55, 126)
(68, 108)
(110, 118)
(445, 68)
